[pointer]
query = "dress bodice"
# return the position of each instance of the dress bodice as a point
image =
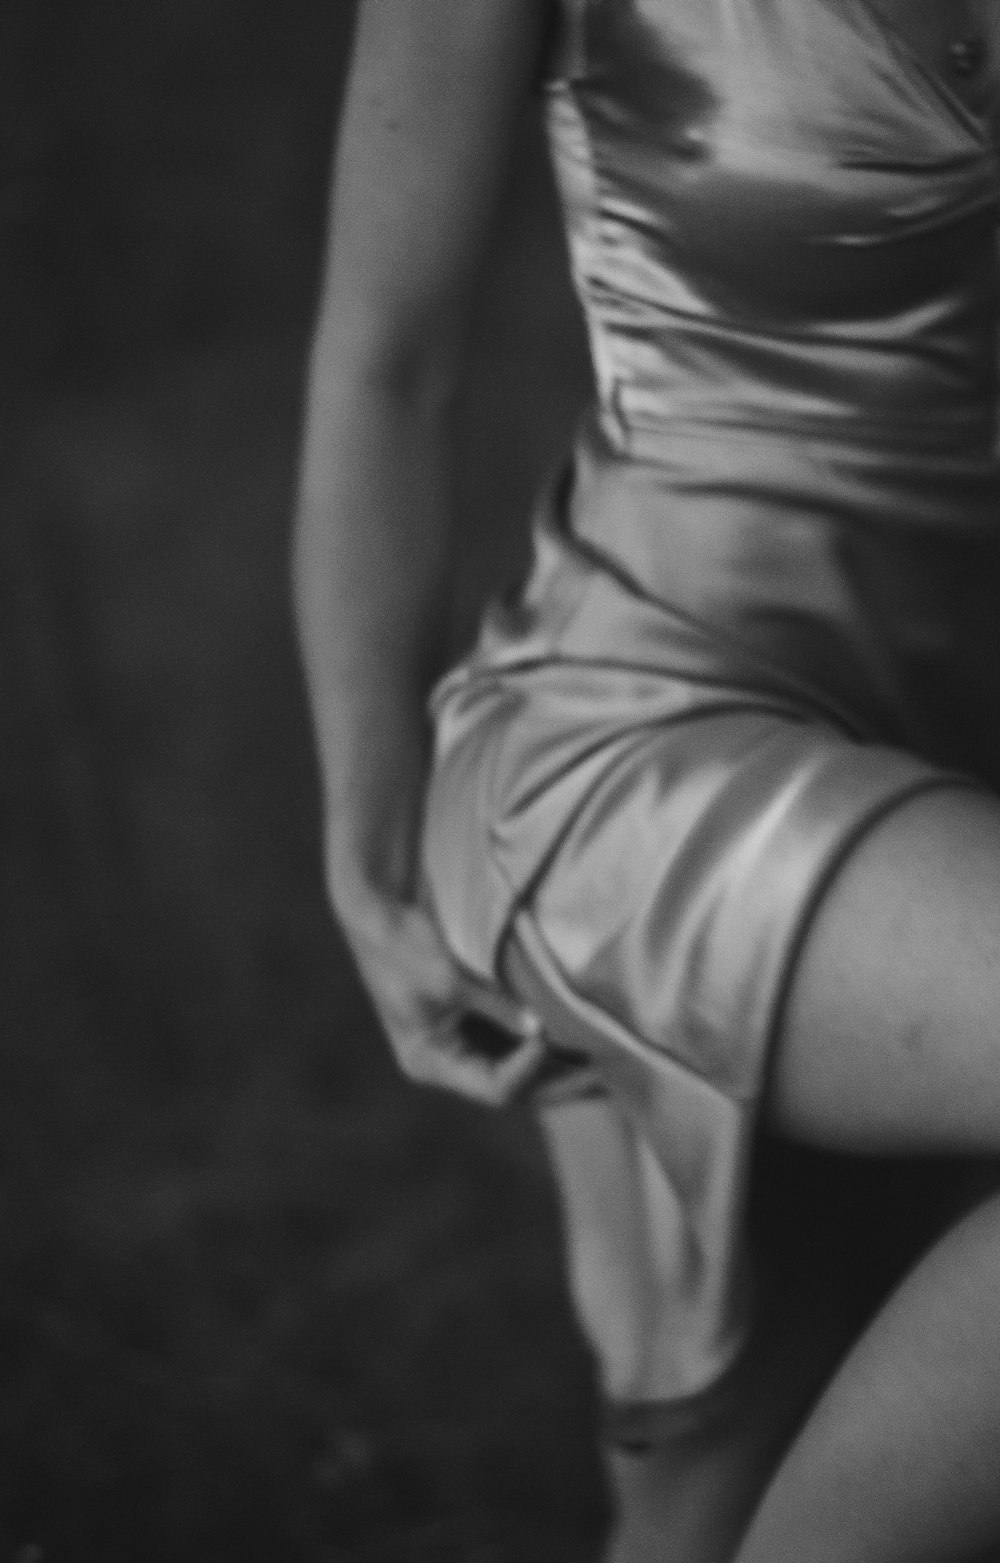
(780, 219)
(783, 228)
(762, 613)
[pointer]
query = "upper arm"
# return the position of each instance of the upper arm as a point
(433, 93)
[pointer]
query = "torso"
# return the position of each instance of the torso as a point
(782, 218)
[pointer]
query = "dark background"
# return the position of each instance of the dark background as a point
(258, 1297)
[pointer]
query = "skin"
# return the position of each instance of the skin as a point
(433, 97)
(434, 93)
(889, 1037)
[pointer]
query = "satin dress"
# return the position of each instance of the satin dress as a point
(764, 605)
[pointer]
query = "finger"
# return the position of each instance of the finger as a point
(507, 1042)
(444, 1057)
(428, 1054)
(460, 989)
(489, 1085)
(495, 1006)
(511, 1076)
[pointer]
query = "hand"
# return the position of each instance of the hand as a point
(431, 1011)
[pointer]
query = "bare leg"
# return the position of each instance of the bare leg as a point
(891, 1040)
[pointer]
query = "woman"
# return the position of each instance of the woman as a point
(711, 825)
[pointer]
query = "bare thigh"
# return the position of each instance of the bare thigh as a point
(890, 1035)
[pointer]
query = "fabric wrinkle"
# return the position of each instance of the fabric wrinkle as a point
(762, 610)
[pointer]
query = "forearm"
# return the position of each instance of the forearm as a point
(371, 573)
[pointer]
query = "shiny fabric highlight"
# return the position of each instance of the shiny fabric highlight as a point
(763, 607)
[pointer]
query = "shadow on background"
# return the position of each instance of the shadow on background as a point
(258, 1298)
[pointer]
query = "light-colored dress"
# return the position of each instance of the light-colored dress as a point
(766, 597)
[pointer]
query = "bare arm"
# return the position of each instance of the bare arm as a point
(434, 92)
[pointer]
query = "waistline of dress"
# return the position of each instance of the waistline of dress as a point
(974, 438)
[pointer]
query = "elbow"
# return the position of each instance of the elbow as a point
(387, 363)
